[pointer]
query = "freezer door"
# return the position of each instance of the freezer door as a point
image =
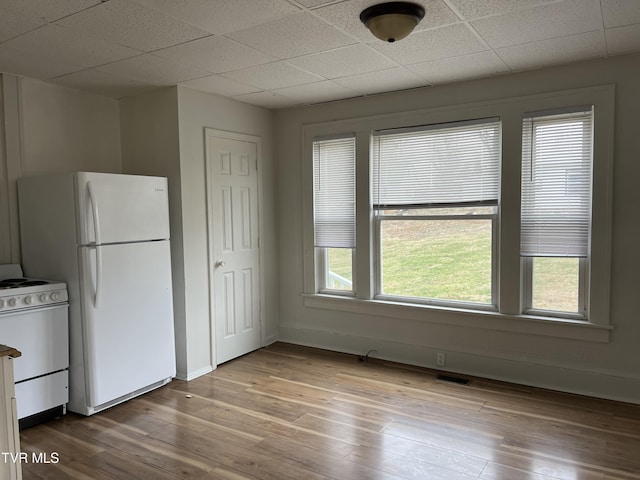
(128, 318)
(115, 208)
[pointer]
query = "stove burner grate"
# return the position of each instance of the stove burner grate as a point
(20, 282)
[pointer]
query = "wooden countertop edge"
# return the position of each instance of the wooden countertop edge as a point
(6, 351)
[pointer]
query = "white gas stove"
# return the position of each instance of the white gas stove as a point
(18, 293)
(34, 320)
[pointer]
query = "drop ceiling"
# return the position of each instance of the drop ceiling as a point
(282, 53)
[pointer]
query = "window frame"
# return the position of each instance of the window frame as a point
(509, 296)
(583, 291)
(321, 252)
(379, 294)
(583, 262)
(322, 267)
(421, 138)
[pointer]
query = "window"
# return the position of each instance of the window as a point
(436, 191)
(334, 212)
(556, 210)
(501, 220)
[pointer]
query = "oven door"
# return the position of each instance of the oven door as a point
(41, 335)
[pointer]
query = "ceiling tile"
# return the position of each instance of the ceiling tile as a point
(389, 80)
(154, 70)
(343, 62)
(267, 100)
(132, 25)
(70, 46)
(102, 83)
(553, 51)
(568, 17)
(236, 47)
(293, 36)
(36, 65)
(617, 13)
(346, 16)
(219, 85)
(48, 10)
(432, 44)
(623, 39)
(13, 24)
(273, 75)
(223, 16)
(460, 68)
(471, 9)
(216, 54)
(317, 92)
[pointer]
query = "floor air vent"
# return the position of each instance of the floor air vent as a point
(449, 378)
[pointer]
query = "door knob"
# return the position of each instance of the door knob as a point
(220, 263)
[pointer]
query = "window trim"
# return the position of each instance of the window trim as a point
(460, 317)
(509, 296)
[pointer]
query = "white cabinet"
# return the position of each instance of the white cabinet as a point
(10, 467)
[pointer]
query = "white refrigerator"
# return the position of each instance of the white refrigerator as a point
(107, 236)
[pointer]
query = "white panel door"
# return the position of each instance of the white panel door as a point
(235, 258)
(128, 318)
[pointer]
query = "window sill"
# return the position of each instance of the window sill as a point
(488, 320)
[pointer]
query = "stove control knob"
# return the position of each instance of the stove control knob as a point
(55, 296)
(28, 300)
(12, 302)
(1, 303)
(43, 297)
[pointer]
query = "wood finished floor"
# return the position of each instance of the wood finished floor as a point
(289, 412)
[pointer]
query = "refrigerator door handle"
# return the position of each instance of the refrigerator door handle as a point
(96, 298)
(94, 210)
(96, 231)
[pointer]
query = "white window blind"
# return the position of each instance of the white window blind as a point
(439, 165)
(334, 192)
(556, 184)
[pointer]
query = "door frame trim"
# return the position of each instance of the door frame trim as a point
(243, 137)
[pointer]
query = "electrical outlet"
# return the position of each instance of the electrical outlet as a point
(441, 359)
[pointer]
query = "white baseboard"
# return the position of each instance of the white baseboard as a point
(193, 375)
(601, 384)
(204, 370)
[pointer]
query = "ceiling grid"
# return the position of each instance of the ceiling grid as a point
(282, 53)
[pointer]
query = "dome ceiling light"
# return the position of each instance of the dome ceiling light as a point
(392, 21)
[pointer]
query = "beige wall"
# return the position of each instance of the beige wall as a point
(197, 111)
(163, 133)
(51, 129)
(150, 146)
(610, 369)
(64, 130)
